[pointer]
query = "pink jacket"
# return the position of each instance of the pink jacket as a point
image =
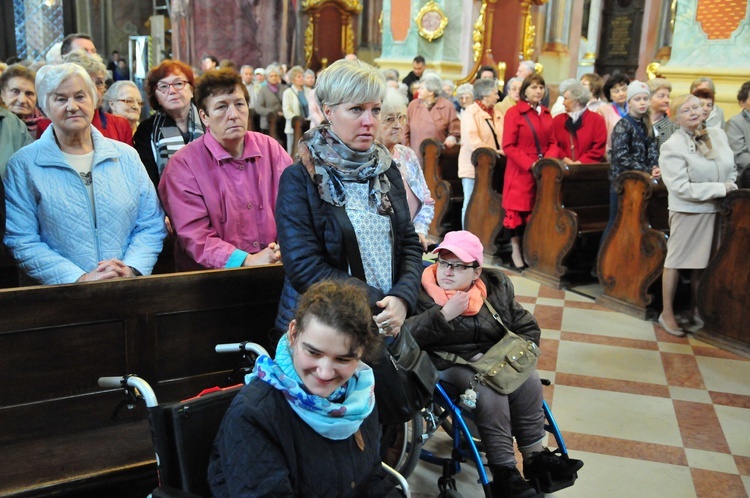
(222, 208)
(476, 133)
(436, 123)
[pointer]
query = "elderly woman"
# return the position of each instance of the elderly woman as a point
(481, 126)
(663, 126)
(13, 136)
(464, 97)
(431, 116)
(527, 137)
(80, 206)
(738, 133)
(124, 99)
(579, 134)
(111, 126)
(697, 166)
(220, 190)
(294, 102)
(314, 398)
(514, 94)
(459, 312)
(342, 211)
(616, 91)
(715, 116)
(390, 134)
(19, 96)
(169, 87)
(595, 85)
(269, 96)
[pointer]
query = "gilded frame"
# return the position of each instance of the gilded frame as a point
(426, 33)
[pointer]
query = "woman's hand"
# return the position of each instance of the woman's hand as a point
(107, 270)
(655, 172)
(268, 256)
(456, 305)
(390, 320)
(423, 240)
(450, 141)
(730, 186)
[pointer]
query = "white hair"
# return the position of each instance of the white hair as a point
(393, 102)
(432, 82)
(50, 77)
(578, 92)
(114, 91)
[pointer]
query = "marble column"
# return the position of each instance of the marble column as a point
(557, 31)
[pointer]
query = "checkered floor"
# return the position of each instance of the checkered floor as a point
(651, 415)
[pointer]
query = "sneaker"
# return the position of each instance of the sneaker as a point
(508, 483)
(555, 464)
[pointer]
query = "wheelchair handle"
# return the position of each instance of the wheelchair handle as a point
(242, 347)
(129, 382)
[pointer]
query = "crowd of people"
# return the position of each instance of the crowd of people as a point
(92, 191)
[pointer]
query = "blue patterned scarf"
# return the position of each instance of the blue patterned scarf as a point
(335, 417)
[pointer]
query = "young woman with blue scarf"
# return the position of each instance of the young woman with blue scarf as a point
(305, 424)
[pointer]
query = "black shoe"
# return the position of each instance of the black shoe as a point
(546, 468)
(508, 483)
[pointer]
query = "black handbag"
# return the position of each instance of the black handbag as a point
(405, 376)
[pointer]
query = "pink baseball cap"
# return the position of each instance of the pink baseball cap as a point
(465, 245)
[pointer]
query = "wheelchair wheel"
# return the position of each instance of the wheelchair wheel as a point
(401, 445)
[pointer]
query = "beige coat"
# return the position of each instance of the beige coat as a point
(476, 133)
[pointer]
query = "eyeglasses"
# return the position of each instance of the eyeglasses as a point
(177, 85)
(100, 83)
(131, 102)
(444, 265)
(391, 120)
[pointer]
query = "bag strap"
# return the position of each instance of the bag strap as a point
(536, 138)
(350, 243)
(494, 135)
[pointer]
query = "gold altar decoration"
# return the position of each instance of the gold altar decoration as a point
(309, 37)
(431, 21)
(354, 6)
(347, 37)
(652, 70)
(478, 36)
(529, 30)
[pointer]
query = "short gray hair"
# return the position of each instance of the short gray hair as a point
(114, 90)
(484, 87)
(450, 83)
(349, 81)
(92, 63)
(50, 77)
(515, 79)
(390, 74)
(578, 92)
(393, 102)
(294, 71)
(432, 83)
(275, 68)
(309, 71)
(529, 65)
(465, 89)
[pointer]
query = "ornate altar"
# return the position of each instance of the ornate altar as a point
(330, 32)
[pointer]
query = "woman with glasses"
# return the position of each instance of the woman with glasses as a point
(455, 315)
(80, 206)
(111, 126)
(169, 87)
(481, 126)
(390, 134)
(124, 99)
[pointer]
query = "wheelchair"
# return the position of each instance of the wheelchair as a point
(183, 433)
(444, 411)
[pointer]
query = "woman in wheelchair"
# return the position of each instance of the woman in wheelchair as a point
(452, 316)
(305, 424)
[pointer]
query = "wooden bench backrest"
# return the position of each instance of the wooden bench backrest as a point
(441, 175)
(484, 215)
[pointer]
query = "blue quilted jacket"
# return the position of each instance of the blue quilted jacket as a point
(53, 232)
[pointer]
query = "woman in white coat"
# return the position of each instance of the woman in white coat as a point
(294, 102)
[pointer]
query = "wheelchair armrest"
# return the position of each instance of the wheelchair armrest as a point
(169, 492)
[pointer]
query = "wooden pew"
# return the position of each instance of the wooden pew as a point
(484, 214)
(300, 126)
(632, 256)
(276, 125)
(724, 290)
(441, 174)
(572, 202)
(56, 432)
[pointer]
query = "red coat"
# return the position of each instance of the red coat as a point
(519, 188)
(118, 128)
(590, 140)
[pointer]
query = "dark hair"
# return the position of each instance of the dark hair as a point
(419, 59)
(615, 79)
(704, 93)
(217, 82)
(214, 59)
(744, 92)
(16, 71)
(68, 41)
(167, 67)
(487, 68)
(345, 308)
(532, 78)
(596, 84)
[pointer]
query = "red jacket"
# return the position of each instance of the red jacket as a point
(117, 128)
(519, 188)
(589, 141)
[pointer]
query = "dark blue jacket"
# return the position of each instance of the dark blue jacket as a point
(312, 242)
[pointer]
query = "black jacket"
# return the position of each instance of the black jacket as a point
(469, 335)
(263, 448)
(312, 242)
